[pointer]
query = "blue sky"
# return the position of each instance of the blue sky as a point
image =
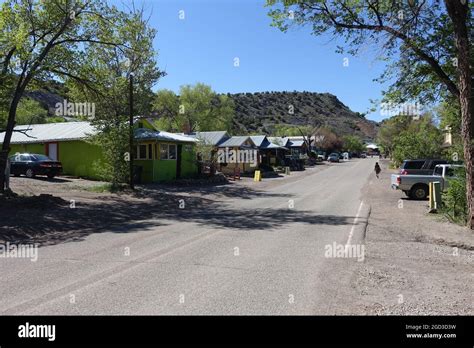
(202, 48)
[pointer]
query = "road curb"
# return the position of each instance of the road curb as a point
(360, 227)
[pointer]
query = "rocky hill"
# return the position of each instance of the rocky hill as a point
(260, 112)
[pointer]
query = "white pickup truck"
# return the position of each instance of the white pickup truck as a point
(417, 186)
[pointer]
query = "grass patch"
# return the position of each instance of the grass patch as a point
(107, 188)
(392, 166)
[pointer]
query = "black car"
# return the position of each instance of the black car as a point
(420, 166)
(31, 164)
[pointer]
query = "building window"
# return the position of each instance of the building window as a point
(172, 152)
(144, 152)
(163, 151)
(167, 151)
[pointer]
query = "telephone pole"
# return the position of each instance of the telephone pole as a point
(131, 152)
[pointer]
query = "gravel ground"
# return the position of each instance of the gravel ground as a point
(415, 263)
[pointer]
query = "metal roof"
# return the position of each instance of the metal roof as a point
(236, 141)
(49, 132)
(296, 143)
(211, 138)
(371, 146)
(67, 131)
(259, 140)
(270, 145)
(148, 134)
(278, 141)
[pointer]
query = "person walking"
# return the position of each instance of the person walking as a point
(377, 169)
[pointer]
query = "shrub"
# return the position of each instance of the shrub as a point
(454, 199)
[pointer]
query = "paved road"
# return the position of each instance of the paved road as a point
(264, 255)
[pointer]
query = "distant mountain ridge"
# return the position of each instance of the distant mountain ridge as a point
(259, 113)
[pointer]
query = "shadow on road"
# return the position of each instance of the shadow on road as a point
(227, 190)
(51, 220)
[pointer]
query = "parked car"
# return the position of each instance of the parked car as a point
(363, 155)
(321, 158)
(32, 164)
(417, 186)
(420, 166)
(334, 157)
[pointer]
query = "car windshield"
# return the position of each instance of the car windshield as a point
(438, 171)
(40, 158)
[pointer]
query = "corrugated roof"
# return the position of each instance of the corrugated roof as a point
(211, 138)
(235, 141)
(48, 132)
(296, 143)
(67, 131)
(270, 145)
(259, 140)
(278, 141)
(143, 133)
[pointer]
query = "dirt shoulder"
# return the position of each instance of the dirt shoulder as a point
(415, 263)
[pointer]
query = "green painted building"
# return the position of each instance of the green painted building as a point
(162, 156)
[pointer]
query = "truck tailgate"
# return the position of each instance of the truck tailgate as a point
(394, 181)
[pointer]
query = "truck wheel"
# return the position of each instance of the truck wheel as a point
(419, 191)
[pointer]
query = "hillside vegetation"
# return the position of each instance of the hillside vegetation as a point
(266, 112)
(260, 113)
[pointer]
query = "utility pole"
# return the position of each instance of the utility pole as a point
(131, 152)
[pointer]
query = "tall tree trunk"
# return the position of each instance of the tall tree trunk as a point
(459, 12)
(7, 139)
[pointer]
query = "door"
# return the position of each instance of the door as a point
(53, 151)
(178, 161)
(24, 163)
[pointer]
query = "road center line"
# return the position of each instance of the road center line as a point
(351, 233)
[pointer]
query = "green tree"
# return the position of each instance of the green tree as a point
(197, 108)
(422, 139)
(353, 143)
(166, 106)
(390, 130)
(434, 38)
(42, 39)
(29, 112)
(283, 130)
(112, 69)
